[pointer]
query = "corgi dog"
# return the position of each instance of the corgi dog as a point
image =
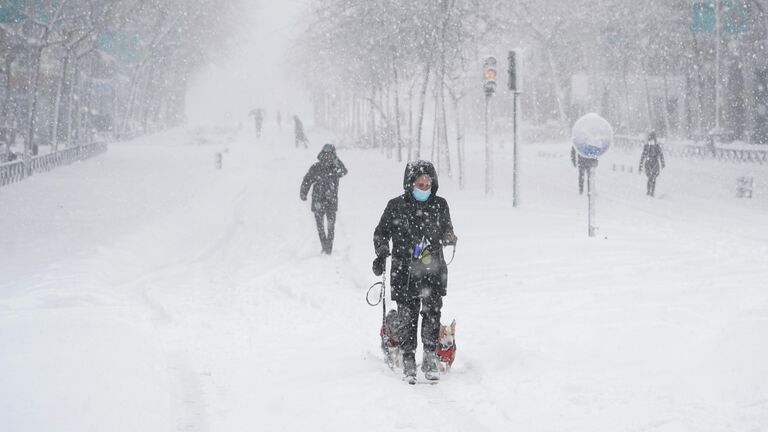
(446, 346)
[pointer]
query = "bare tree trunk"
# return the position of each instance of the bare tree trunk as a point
(665, 109)
(627, 106)
(433, 155)
(410, 119)
(558, 92)
(57, 103)
(459, 137)
(422, 101)
(444, 133)
(73, 87)
(34, 81)
(398, 135)
(373, 117)
(648, 108)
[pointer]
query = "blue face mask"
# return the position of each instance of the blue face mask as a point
(420, 195)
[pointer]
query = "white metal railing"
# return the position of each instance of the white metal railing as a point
(628, 142)
(11, 172)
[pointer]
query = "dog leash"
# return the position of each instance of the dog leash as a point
(382, 296)
(453, 255)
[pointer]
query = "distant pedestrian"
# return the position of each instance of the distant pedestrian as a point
(583, 164)
(653, 161)
(323, 177)
(258, 120)
(298, 129)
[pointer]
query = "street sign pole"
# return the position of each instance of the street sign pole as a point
(515, 165)
(591, 194)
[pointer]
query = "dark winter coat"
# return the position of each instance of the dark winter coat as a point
(652, 159)
(323, 177)
(580, 161)
(298, 129)
(405, 222)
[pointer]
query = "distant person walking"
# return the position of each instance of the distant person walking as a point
(298, 130)
(279, 121)
(583, 164)
(258, 120)
(323, 177)
(653, 161)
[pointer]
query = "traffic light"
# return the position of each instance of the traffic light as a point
(512, 71)
(489, 75)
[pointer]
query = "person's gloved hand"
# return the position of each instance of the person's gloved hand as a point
(379, 265)
(303, 197)
(449, 239)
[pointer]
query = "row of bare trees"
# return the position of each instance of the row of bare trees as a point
(71, 69)
(384, 72)
(376, 67)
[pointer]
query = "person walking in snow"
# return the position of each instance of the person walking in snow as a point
(258, 120)
(323, 177)
(653, 161)
(279, 121)
(583, 164)
(418, 223)
(298, 129)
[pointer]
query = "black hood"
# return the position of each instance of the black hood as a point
(328, 148)
(416, 168)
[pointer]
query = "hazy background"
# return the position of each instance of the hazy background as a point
(253, 72)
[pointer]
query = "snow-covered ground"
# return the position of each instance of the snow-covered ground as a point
(145, 290)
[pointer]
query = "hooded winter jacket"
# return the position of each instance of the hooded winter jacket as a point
(408, 223)
(652, 158)
(324, 175)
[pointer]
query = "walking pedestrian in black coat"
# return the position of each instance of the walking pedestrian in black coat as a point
(418, 223)
(323, 177)
(653, 161)
(583, 164)
(258, 120)
(298, 130)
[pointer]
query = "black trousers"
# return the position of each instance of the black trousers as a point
(326, 238)
(651, 184)
(429, 303)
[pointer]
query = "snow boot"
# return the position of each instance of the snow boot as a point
(409, 368)
(429, 365)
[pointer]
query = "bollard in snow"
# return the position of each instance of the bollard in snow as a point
(218, 160)
(744, 187)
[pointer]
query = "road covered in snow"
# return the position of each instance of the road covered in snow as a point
(145, 290)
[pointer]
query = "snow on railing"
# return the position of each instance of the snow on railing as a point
(11, 172)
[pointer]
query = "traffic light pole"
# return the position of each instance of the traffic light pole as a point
(488, 155)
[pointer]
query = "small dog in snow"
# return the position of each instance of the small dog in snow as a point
(446, 346)
(390, 339)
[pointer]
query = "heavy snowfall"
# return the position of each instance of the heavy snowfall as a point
(160, 271)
